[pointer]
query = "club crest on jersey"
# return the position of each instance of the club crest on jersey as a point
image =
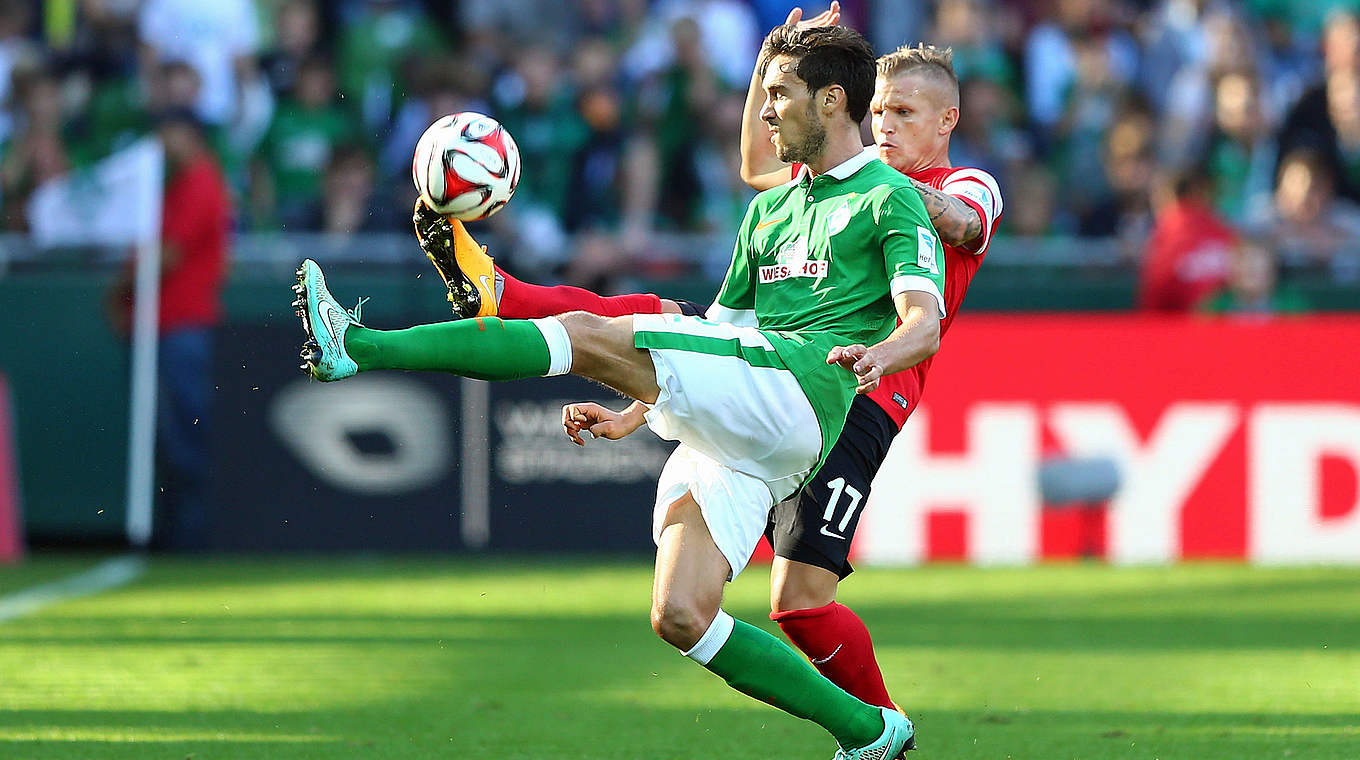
(792, 261)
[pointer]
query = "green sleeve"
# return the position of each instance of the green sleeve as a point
(912, 253)
(738, 292)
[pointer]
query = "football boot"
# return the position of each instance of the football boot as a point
(898, 736)
(326, 322)
(468, 272)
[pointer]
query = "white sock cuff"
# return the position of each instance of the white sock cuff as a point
(559, 345)
(719, 631)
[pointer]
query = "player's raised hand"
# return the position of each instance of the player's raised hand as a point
(861, 361)
(829, 17)
(598, 421)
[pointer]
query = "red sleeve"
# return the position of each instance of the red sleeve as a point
(980, 191)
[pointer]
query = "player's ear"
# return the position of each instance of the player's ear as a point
(949, 119)
(830, 97)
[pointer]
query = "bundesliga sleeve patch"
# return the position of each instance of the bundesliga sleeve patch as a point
(975, 192)
(979, 187)
(925, 250)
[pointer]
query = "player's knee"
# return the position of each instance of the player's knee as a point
(581, 322)
(595, 340)
(787, 598)
(802, 587)
(679, 624)
(591, 328)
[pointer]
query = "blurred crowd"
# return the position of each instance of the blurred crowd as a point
(1098, 117)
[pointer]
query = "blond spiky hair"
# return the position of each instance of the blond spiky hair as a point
(936, 63)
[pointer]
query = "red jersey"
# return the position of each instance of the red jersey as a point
(1187, 258)
(197, 221)
(898, 393)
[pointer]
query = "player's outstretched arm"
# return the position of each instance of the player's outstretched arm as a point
(914, 341)
(957, 222)
(600, 422)
(760, 167)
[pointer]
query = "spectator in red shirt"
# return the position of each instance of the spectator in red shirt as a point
(1190, 250)
(195, 225)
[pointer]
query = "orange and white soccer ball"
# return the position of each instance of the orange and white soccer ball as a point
(466, 166)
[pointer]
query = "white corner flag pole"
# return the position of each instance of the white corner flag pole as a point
(119, 203)
(142, 389)
(141, 474)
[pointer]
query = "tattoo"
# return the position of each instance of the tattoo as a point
(956, 221)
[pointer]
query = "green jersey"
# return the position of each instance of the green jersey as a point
(817, 262)
(827, 254)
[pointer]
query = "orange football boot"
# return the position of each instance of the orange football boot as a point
(463, 264)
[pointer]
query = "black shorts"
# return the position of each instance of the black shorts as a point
(816, 524)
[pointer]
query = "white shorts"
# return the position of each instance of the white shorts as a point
(736, 507)
(750, 435)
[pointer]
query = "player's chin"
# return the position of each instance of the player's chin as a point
(892, 157)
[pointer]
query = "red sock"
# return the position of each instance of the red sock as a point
(838, 643)
(523, 300)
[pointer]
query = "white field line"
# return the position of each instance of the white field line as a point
(102, 577)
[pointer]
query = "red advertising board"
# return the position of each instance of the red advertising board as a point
(1231, 438)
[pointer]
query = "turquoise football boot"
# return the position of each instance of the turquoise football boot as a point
(898, 736)
(326, 321)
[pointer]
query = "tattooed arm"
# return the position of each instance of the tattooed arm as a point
(956, 221)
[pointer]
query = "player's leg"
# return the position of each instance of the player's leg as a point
(811, 534)
(832, 636)
(799, 586)
(749, 435)
(690, 574)
(524, 300)
(691, 570)
(479, 288)
(594, 347)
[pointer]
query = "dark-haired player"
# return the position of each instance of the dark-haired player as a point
(915, 109)
(842, 259)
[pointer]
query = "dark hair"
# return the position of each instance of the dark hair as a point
(181, 116)
(179, 67)
(1194, 180)
(1311, 158)
(316, 61)
(826, 55)
(348, 153)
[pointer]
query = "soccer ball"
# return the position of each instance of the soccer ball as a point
(466, 166)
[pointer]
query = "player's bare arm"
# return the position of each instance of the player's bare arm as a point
(956, 221)
(600, 421)
(914, 341)
(760, 167)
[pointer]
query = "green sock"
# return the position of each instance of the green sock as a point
(759, 665)
(484, 349)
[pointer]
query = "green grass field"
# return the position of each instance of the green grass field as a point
(435, 658)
